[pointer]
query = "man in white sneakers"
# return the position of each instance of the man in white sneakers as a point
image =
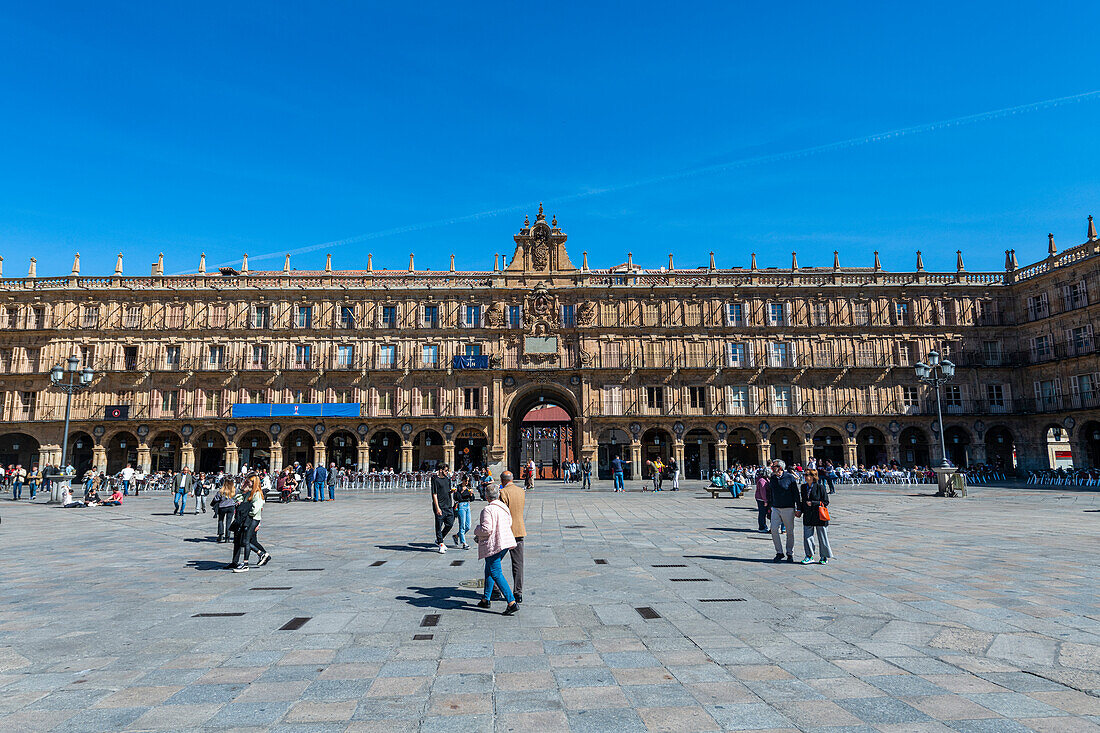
(443, 505)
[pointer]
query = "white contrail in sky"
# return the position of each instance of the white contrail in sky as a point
(700, 171)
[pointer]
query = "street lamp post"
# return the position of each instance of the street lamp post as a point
(937, 373)
(57, 377)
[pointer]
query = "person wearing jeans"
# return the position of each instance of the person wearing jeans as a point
(762, 501)
(814, 496)
(463, 496)
(319, 476)
(617, 473)
(783, 497)
(494, 538)
(331, 482)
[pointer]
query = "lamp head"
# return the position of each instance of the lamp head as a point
(922, 370)
(933, 358)
(57, 373)
(87, 375)
(74, 363)
(948, 368)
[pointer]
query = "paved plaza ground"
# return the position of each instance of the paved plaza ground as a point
(978, 614)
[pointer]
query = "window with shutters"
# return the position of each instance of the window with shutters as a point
(777, 315)
(38, 317)
(910, 398)
(471, 399)
(11, 316)
(302, 354)
(472, 349)
(613, 400)
(1080, 340)
(779, 354)
(950, 313)
(215, 357)
(259, 356)
(387, 356)
(991, 352)
(27, 405)
(906, 349)
(861, 314)
(1038, 307)
(219, 315)
(697, 398)
(169, 402)
(132, 317)
(430, 355)
(89, 316)
(781, 395)
(389, 316)
(823, 354)
(737, 400)
(213, 402)
(515, 316)
(87, 357)
(303, 316)
(650, 315)
(1042, 348)
(612, 356)
(472, 316)
(736, 355)
(655, 398)
(821, 313)
(735, 314)
(385, 401)
(995, 397)
(431, 316)
(173, 316)
(34, 355)
(693, 314)
(346, 317)
(1084, 388)
(1048, 393)
(345, 356)
(429, 401)
(901, 314)
(609, 314)
(1074, 295)
(129, 358)
(171, 357)
(952, 398)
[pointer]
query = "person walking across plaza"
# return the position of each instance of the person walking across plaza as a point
(783, 497)
(224, 506)
(443, 506)
(464, 494)
(247, 525)
(494, 538)
(512, 497)
(617, 474)
(762, 500)
(674, 472)
(203, 484)
(182, 485)
(330, 482)
(813, 499)
(127, 476)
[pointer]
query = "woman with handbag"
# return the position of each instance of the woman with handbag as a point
(463, 496)
(813, 507)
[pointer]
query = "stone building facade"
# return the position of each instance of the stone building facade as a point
(710, 365)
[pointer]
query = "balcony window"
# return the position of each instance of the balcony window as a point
(1075, 295)
(215, 357)
(613, 400)
(901, 314)
(952, 397)
(431, 355)
(256, 396)
(129, 358)
(777, 314)
(431, 316)
(473, 316)
(387, 356)
(304, 317)
(345, 356)
(473, 349)
(347, 316)
(865, 354)
(991, 352)
(174, 317)
(1038, 307)
(737, 400)
(821, 314)
(389, 316)
(778, 354)
(1080, 339)
(219, 316)
(213, 402)
(171, 357)
(385, 401)
(261, 316)
(471, 399)
(132, 318)
(655, 398)
(910, 398)
(735, 314)
(995, 396)
(568, 316)
(26, 405)
(259, 357)
(169, 402)
(1048, 393)
(89, 317)
(735, 355)
(429, 401)
(782, 397)
(861, 314)
(697, 398)
(1042, 348)
(515, 316)
(301, 356)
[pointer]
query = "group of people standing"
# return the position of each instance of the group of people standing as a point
(500, 530)
(239, 510)
(786, 499)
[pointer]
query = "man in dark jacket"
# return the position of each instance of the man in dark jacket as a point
(319, 476)
(783, 497)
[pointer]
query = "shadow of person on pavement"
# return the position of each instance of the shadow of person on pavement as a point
(443, 597)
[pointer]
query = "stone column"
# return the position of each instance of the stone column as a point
(977, 451)
(807, 450)
(49, 455)
(636, 459)
(678, 454)
(364, 457)
(763, 451)
(893, 449)
(187, 456)
(851, 455)
(145, 460)
(449, 454)
(319, 455)
(276, 457)
(406, 456)
(232, 457)
(99, 458)
(720, 455)
(1031, 456)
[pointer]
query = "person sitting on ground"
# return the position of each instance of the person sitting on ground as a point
(67, 500)
(91, 497)
(115, 500)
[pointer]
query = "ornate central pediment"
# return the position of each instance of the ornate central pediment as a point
(540, 248)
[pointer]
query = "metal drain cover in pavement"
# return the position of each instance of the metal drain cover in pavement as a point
(476, 583)
(690, 580)
(647, 613)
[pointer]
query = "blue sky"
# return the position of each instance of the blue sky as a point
(264, 128)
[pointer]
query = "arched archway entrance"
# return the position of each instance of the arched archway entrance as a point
(541, 427)
(255, 447)
(211, 448)
(1056, 442)
(385, 451)
(342, 448)
(80, 452)
(656, 443)
(785, 446)
(298, 448)
(1090, 444)
(699, 454)
(427, 450)
(913, 446)
(612, 443)
(871, 447)
(742, 447)
(470, 447)
(19, 449)
(828, 446)
(121, 449)
(164, 452)
(957, 441)
(1000, 449)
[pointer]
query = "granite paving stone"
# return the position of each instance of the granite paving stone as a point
(895, 635)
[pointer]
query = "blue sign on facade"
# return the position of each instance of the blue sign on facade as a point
(325, 409)
(471, 362)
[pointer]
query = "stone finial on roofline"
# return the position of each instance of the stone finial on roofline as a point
(32, 271)
(202, 264)
(1092, 230)
(959, 260)
(76, 265)
(920, 262)
(118, 264)
(1052, 248)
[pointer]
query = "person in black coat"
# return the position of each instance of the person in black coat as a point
(814, 495)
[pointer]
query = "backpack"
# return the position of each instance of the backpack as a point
(242, 514)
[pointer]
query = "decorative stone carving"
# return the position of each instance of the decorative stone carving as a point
(495, 315)
(586, 314)
(540, 253)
